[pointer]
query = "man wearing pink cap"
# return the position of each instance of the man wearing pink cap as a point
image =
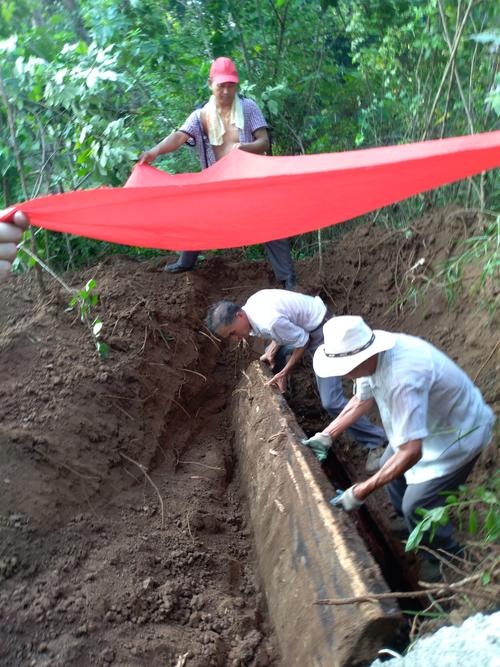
(227, 121)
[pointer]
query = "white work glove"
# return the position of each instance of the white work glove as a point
(319, 443)
(347, 500)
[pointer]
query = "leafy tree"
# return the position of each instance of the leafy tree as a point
(85, 85)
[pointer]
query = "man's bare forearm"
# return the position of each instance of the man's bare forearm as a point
(259, 146)
(294, 359)
(272, 349)
(171, 143)
(349, 415)
(405, 457)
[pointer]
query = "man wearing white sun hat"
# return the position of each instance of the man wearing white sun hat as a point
(434, 416)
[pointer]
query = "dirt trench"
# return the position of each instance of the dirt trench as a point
(93, 568)
(124, 535)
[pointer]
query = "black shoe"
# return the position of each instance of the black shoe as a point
(289, 284)
(177, 268)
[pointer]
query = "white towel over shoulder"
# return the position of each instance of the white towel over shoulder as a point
(216, 129)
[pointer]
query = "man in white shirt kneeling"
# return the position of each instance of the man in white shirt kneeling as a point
(435, 418)
(294, 321)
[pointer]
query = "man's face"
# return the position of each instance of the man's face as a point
(367, 368)
(237, 330)
(223, 92)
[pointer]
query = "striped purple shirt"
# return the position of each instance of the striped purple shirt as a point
(253, 120)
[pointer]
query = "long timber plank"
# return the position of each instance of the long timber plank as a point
(305, 549)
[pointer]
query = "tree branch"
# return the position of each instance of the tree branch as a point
(20, 169)
(451, 60)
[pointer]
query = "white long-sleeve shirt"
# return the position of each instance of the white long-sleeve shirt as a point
(422, 394)
(284, 317)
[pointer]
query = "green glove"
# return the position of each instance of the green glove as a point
(319, 443)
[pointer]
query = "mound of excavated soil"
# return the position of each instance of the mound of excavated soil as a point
(124, 537)
(93, 568)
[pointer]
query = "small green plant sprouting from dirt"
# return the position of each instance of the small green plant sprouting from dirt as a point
(484, 248)
(471, 580)
(475, 508)
(85, 301)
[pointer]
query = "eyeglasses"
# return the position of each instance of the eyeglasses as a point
(351, 352)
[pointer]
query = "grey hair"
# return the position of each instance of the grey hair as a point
(221, 314)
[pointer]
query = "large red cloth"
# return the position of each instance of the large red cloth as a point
(245, 199)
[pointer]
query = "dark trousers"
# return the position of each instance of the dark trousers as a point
(278, 253)
(407, 497)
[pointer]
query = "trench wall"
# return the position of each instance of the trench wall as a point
(305, 549)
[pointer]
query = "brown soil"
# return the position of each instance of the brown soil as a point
(93, 569)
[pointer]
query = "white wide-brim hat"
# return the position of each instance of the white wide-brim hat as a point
(348, 342)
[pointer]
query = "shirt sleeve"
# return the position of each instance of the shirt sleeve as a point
(192, 127)
(363, 390)
(286, 333)
(254, 117)
(408, 409)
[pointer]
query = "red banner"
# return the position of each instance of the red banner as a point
(245, 199)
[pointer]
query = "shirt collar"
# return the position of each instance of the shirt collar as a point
(255, 329)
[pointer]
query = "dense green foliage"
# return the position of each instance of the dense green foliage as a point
(474, 508)
(86, 85)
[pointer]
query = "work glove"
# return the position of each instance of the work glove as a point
(347, 500)
(320, 443)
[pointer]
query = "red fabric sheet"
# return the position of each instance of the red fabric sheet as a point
(245, 199)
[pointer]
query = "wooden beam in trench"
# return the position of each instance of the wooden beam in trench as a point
(305, 549)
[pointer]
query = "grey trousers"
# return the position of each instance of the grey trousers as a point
(407, 497)
(278, 253)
